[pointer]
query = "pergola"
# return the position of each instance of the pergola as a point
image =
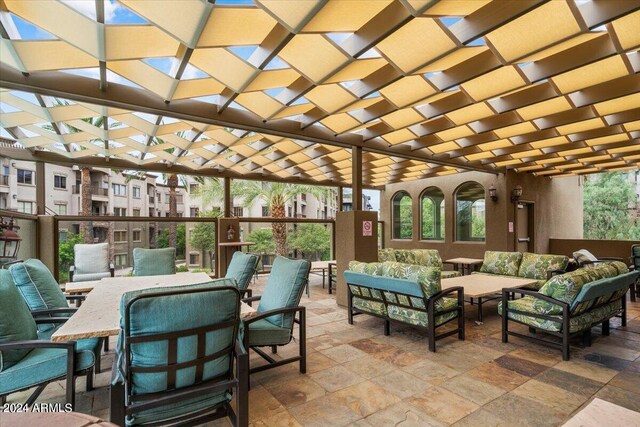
(336, 92)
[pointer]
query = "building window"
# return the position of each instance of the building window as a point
(193, 187)
(432, 214)
(120, 236)
(470, 213)
(136, 192)
(136, 212)
(179, 199)
(158, 197)
(120, 190)
(238, 211)
(120, 260)
(194, 212)
(25, 207)
(137, 235)
(60, 182)
(194, 259)
(119, 211)
(265, 211)
(61, 208)
(402, 215)
(25, 177)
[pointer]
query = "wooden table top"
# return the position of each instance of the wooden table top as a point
(224, 244)
(469, 261)
(178, 279)
(99, 315)
(321, 265)
(601, 413)
(481, 285)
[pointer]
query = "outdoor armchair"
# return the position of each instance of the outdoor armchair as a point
(634, 261)
(277, 311)
(241, 269)
(90, 262)
(27, 359)
(176, 365)
(154, 262)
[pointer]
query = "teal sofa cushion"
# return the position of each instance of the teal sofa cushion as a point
(262, 332)
(38, 287)
(16, 321)
(284, 288)
(505, 263)
(154, 262)
(242, 268)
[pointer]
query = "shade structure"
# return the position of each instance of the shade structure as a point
(283, 90)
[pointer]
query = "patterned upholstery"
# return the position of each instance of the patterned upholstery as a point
(504, 263)
(635, 256)
(242, 268)
(91, 262)
(535, 266)
(16, 322)
(387, 254)
(154, 262)
(423, 257)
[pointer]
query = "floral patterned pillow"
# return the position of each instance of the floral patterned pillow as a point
(566, 287)
(386, 254)
(372, 268)
(503, 263)
(427, 277)
(535, 266)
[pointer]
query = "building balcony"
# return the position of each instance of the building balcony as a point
(4, 179)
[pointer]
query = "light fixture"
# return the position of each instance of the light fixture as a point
(516, 193)
(9, 241)
(492, 193)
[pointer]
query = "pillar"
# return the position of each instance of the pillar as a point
(356, 178)
(228, 201)
(40, 189)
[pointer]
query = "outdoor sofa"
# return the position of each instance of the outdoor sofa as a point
(423, 257)
(405, 293)
(524, 265)
(570, 304)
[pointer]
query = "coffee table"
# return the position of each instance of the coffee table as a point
(483, 287)
(99, 315)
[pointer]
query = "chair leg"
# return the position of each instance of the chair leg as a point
(565, 339)
(605, 327)
(387, 327)
(89, 386)
(624, 312)
(274, 349)
(106, 344)
(532, 330)
(586, 338)
(505, 317)
(242, 396)
(632, 291)
(303, 341)
(116, 399)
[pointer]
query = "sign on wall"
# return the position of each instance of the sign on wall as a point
(367, 228)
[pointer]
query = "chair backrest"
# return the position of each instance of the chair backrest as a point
(386, 254)
(16, 321)
(427, 279)
(242, 268)
(423, 257)
(284, 288)
(38, 287)
(177, 337)
(536, 266)
(635, 256)
(503, 263)
(91, 258)
(154, 262)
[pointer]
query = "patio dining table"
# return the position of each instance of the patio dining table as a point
(99, 315)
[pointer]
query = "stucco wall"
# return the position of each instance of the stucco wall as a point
(558, 211)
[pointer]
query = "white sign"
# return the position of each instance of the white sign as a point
(367, 228)
(510, 227)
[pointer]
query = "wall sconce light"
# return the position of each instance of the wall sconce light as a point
(516, 193)
(9, 241)
(492, 193)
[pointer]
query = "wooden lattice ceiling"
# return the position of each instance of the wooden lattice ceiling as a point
(425, 87)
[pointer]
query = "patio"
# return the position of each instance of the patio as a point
(359, 376)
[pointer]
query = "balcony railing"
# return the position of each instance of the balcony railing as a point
(96, 191)
(4, 179)
(152, 199)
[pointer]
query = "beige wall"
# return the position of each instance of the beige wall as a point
(558, 211)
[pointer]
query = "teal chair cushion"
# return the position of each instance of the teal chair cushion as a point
(90, 259)
(42, 365)
(284, 288)
(38, 287)
(262, 332)
(154, 262)
(16, 321)
(242, 268)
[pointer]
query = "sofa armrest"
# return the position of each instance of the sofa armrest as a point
(33, 344)
(551, 273)
(534, 294)
(458, 290)
(251, 299)
(264, 315)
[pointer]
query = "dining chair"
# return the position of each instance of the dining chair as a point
(242, 268)
(90, 262)
(176, 365)
(45, 299)
(154, 262)
(28, 359)
(277, 311)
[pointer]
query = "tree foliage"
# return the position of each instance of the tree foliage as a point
(181, 239)
(263, 239)
(66, 254)
(203, 237)
(313, 240)
(609, 199)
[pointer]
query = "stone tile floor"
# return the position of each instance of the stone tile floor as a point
(358, 376)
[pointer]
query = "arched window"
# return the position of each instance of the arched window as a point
(470, 213)
(432, 214)
(402, 215)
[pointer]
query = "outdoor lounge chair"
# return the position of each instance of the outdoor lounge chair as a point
(178, 366)
(45, 299)
(242, 268)
(90, 262)
(30, 360)
(635, 265)
(279, 304)
(154, 262)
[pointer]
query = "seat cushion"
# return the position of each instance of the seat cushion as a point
(583, 256)
(505, 263)
(154, 262)
(263, 332)
(420, 318)
(42, 365)
(92, 258)
(38, 287)
(90, 276)
(242, 268)
(535, 266)
(16, 321)
(284, 288)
